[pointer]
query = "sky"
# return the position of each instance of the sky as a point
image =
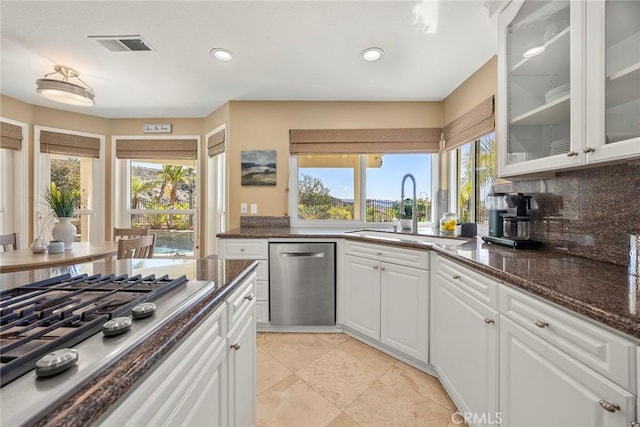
(382, 183)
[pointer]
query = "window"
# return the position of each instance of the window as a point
(73, 160)
(360, 187)
(162, 197)
(473, 168)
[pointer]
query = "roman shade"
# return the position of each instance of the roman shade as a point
(68, 144)
(10, 136)
(475, 123)
(215, 143)
(364, 141)
(136, 149)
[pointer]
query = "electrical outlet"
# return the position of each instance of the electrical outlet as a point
(254, 208)
(243, 208)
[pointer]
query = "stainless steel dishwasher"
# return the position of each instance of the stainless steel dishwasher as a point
(302, 283)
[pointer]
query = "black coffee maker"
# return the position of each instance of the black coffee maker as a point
(516, 224)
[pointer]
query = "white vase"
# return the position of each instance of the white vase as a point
(406, 223)
(65, 232)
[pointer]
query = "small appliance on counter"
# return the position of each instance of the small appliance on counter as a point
(511, 226)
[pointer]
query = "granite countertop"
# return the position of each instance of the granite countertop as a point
(94, 398)
(601, 291)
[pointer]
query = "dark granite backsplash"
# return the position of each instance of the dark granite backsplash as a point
(588, 213)
(264, 221)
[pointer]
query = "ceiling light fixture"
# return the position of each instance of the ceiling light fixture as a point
(65, 91)
(536, 50)
(372, 54)
(220, 54)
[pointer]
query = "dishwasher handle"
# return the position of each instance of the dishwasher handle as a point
(301, 254)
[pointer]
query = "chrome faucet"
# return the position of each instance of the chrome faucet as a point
(414, 207)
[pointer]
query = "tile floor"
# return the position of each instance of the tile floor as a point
(333, 380)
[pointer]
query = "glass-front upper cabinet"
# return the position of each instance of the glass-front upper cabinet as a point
(613, 78)
(539, 86)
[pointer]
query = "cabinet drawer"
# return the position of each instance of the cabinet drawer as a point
(262, 312)
(475, 284)
(602, 351)
(243, 248)
(262, 290)
(241, 300)
(407, 257)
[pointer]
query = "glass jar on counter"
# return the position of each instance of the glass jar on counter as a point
(448, 224)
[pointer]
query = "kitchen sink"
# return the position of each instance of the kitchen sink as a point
(403, 237)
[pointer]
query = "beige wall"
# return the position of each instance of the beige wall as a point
(478, 87)
(264, 125)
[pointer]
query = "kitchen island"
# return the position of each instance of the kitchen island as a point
(81, 395)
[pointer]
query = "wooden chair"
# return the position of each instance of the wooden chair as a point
(136, 247)
(128, 233)
(9, 241)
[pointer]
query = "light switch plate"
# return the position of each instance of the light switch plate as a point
(254, 208)
(243, 208)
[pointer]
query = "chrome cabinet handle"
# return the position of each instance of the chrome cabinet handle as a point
(455, 276)
(378, 253)
(609, 407)
(489, 321)
(381, 268)
(572, 153)
(375, 267)
(235, 346)
(241, 249)
(249, 297)
(588, 150)
(541, 324)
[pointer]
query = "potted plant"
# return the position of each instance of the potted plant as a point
(62, 202)
(406, 214)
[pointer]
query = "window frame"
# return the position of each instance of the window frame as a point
(121, 182)
(296, 221)
(14, 175)
(454, 177)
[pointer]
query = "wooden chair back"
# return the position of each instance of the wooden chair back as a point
(128, 233)
(9, 242)
(136, 247)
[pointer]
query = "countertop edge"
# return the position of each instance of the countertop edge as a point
(89, 403)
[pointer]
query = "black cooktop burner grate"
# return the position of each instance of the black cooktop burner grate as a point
(59, 312)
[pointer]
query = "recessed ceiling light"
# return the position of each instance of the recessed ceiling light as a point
(221, 54)
(371, 54)
(537, 50)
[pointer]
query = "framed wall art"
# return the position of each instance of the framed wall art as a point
(258, 167)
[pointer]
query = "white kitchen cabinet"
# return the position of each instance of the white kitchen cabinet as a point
(385, 301)
(242, 371)
(189, 387)
(257, 249)
(578, 100)
(541, 385)
(362, 296)
(404, 302)
(461, 323)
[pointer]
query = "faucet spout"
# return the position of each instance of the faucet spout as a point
(414, 206)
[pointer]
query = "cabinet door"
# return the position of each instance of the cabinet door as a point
(362, 296)
(189, 387)
(540, 86)
(542, 386)
(613, 79)
(460, 324)
(404, 319)
(242, 371)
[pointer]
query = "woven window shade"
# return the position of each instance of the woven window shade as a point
(471, 125)
(10, 136)
(363, 141)
(157, 148)
(68, 144)
(215, 144)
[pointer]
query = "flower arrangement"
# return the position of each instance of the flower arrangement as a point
(406, 209)
(62, 201)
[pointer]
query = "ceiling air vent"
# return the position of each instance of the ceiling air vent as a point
(133, 43)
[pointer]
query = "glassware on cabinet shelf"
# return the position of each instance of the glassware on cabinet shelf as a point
(622, 70)
(538, 62)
